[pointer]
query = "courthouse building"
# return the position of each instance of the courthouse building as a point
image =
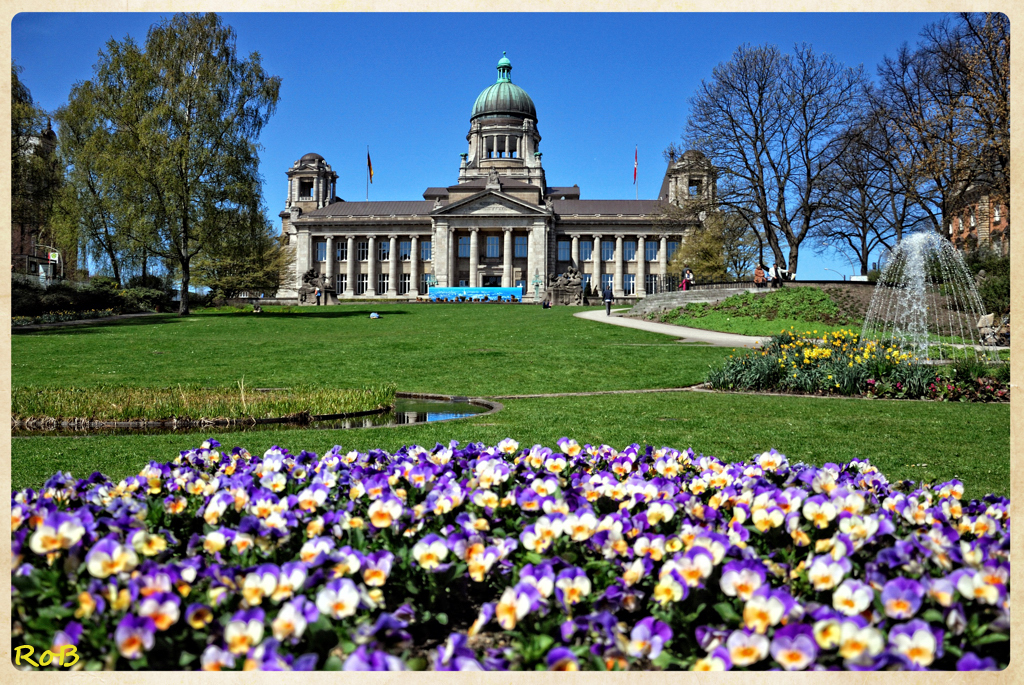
(499, 225)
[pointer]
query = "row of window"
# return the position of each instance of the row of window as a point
(492, 246)
(383, 282)
(608, 250)
(383, 251)
(628, 282)
(404, 283)
(493, 250)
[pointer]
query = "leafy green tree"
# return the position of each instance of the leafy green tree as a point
(248, 258)
(173, 127)
(722, 247)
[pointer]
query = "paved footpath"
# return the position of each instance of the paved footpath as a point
(684, 333)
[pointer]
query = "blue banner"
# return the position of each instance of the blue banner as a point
(475, 294)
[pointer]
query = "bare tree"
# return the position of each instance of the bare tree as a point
(865, 206)
(945, 108)
(768, 121)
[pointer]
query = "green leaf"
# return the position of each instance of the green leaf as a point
(334, 663)
(442, 618)
(94, 665)
(417, 664)
(533, 558)
(727, 612)
(990, 638)
(185, 659)
(55, 612)
(933, 616)
(692, 616)
(664, 660)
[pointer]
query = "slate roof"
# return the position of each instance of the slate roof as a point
(572, 191)
(607, 207)
(387, 208)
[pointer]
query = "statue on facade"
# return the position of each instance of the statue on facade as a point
(492, 179)
(311, 280)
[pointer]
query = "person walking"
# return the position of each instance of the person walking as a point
(688, 279)
(607, 300)
(317, 294)
(773, 275)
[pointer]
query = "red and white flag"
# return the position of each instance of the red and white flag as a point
(636, 153)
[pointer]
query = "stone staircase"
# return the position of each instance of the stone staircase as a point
(667, 301)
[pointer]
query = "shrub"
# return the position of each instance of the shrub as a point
(143, 299)
(995, 287)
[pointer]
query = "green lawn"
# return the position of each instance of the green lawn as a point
(443, 348)
(489, 350)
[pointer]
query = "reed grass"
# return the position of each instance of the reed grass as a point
(191, 401)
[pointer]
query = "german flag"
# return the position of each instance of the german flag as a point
(369, 165)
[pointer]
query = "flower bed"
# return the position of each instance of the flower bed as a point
(478, 557)
(840, 363)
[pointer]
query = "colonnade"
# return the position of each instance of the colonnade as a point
(374, 264)
(596, 265)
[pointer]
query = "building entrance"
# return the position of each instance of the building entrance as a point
(492, 281)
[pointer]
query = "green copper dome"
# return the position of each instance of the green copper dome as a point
(504, 98)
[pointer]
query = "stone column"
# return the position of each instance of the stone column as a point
(371, 267)
(663, 261)
(302, 252)
(575, 252)
(393, 266)
(352, 266)
(531, 262)
(330, 268)
(507, 274)
(641, 266)
(595, 254)
(453, 271)
(474, 256)
(617, 282)
(414, 266)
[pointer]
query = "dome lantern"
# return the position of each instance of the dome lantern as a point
(503, 98)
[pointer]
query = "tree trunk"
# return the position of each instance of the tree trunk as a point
(185, 276)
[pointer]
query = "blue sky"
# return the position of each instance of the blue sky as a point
(404, 84)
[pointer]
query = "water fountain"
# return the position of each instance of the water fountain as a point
(926, 294)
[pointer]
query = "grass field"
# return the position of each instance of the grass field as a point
(488, 350)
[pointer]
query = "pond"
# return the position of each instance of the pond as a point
(410, 409)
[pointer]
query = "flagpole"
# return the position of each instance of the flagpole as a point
(636, 167)
(367, 173)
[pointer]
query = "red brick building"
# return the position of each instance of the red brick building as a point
(984, 223)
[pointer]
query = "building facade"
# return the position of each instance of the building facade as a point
(983, 223)
(499, 225)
